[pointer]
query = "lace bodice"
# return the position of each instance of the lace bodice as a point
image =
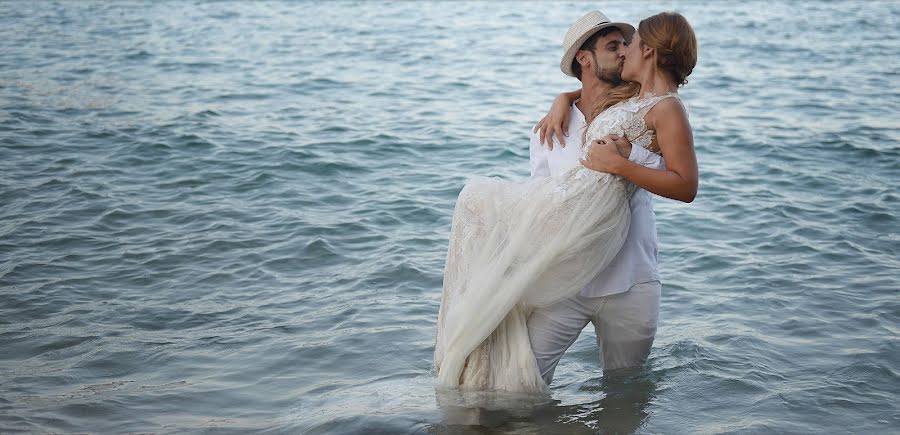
(625, 119)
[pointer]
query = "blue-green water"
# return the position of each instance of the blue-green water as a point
(233, 216)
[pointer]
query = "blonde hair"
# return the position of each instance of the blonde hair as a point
(615, 95)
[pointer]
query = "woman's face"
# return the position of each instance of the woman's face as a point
(633, 59)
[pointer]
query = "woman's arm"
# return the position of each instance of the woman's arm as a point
(673, 133)
(556, 121)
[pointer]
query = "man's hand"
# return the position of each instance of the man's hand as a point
(603, 155)
(622, 144)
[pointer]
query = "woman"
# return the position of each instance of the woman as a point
(516, 246)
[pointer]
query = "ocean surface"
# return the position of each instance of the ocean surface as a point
(232, 217)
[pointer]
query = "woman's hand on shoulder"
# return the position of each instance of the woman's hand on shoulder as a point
(556, 122)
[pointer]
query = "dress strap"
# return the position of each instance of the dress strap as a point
(651, 101)
(645, 105)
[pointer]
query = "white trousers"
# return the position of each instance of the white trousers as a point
(625, 324)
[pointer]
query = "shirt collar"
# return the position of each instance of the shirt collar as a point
(577, 111)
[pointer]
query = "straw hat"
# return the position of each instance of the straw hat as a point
(592, 22)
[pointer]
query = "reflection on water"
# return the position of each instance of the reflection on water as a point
(489, 409)
(621, 407)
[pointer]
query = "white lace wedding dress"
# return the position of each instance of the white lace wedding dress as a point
(518, 245)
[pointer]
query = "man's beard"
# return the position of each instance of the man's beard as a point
(611, 76)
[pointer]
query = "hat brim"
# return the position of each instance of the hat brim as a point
(566, 63)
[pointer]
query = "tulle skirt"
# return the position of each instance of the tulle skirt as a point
(515, 246)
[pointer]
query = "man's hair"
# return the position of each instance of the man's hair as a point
(589, 46)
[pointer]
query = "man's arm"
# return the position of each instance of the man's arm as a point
(537, 156)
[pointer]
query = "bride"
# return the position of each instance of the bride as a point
(515, 246)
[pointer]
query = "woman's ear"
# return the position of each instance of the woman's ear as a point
(647, 51)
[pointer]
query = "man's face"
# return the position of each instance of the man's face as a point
(609, 56)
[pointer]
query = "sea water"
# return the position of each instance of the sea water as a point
(233, 217)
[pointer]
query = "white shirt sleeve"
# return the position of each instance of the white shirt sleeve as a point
(645, 157)
(540, 166)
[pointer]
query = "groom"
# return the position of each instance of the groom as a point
(623, 300)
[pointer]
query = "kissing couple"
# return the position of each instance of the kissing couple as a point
(531, 262)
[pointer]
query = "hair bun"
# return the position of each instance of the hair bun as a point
(675, 43)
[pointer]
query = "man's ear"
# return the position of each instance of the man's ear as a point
(583, 58)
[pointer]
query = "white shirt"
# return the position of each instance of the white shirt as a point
(636, 262)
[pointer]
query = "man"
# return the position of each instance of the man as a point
(623, 300)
